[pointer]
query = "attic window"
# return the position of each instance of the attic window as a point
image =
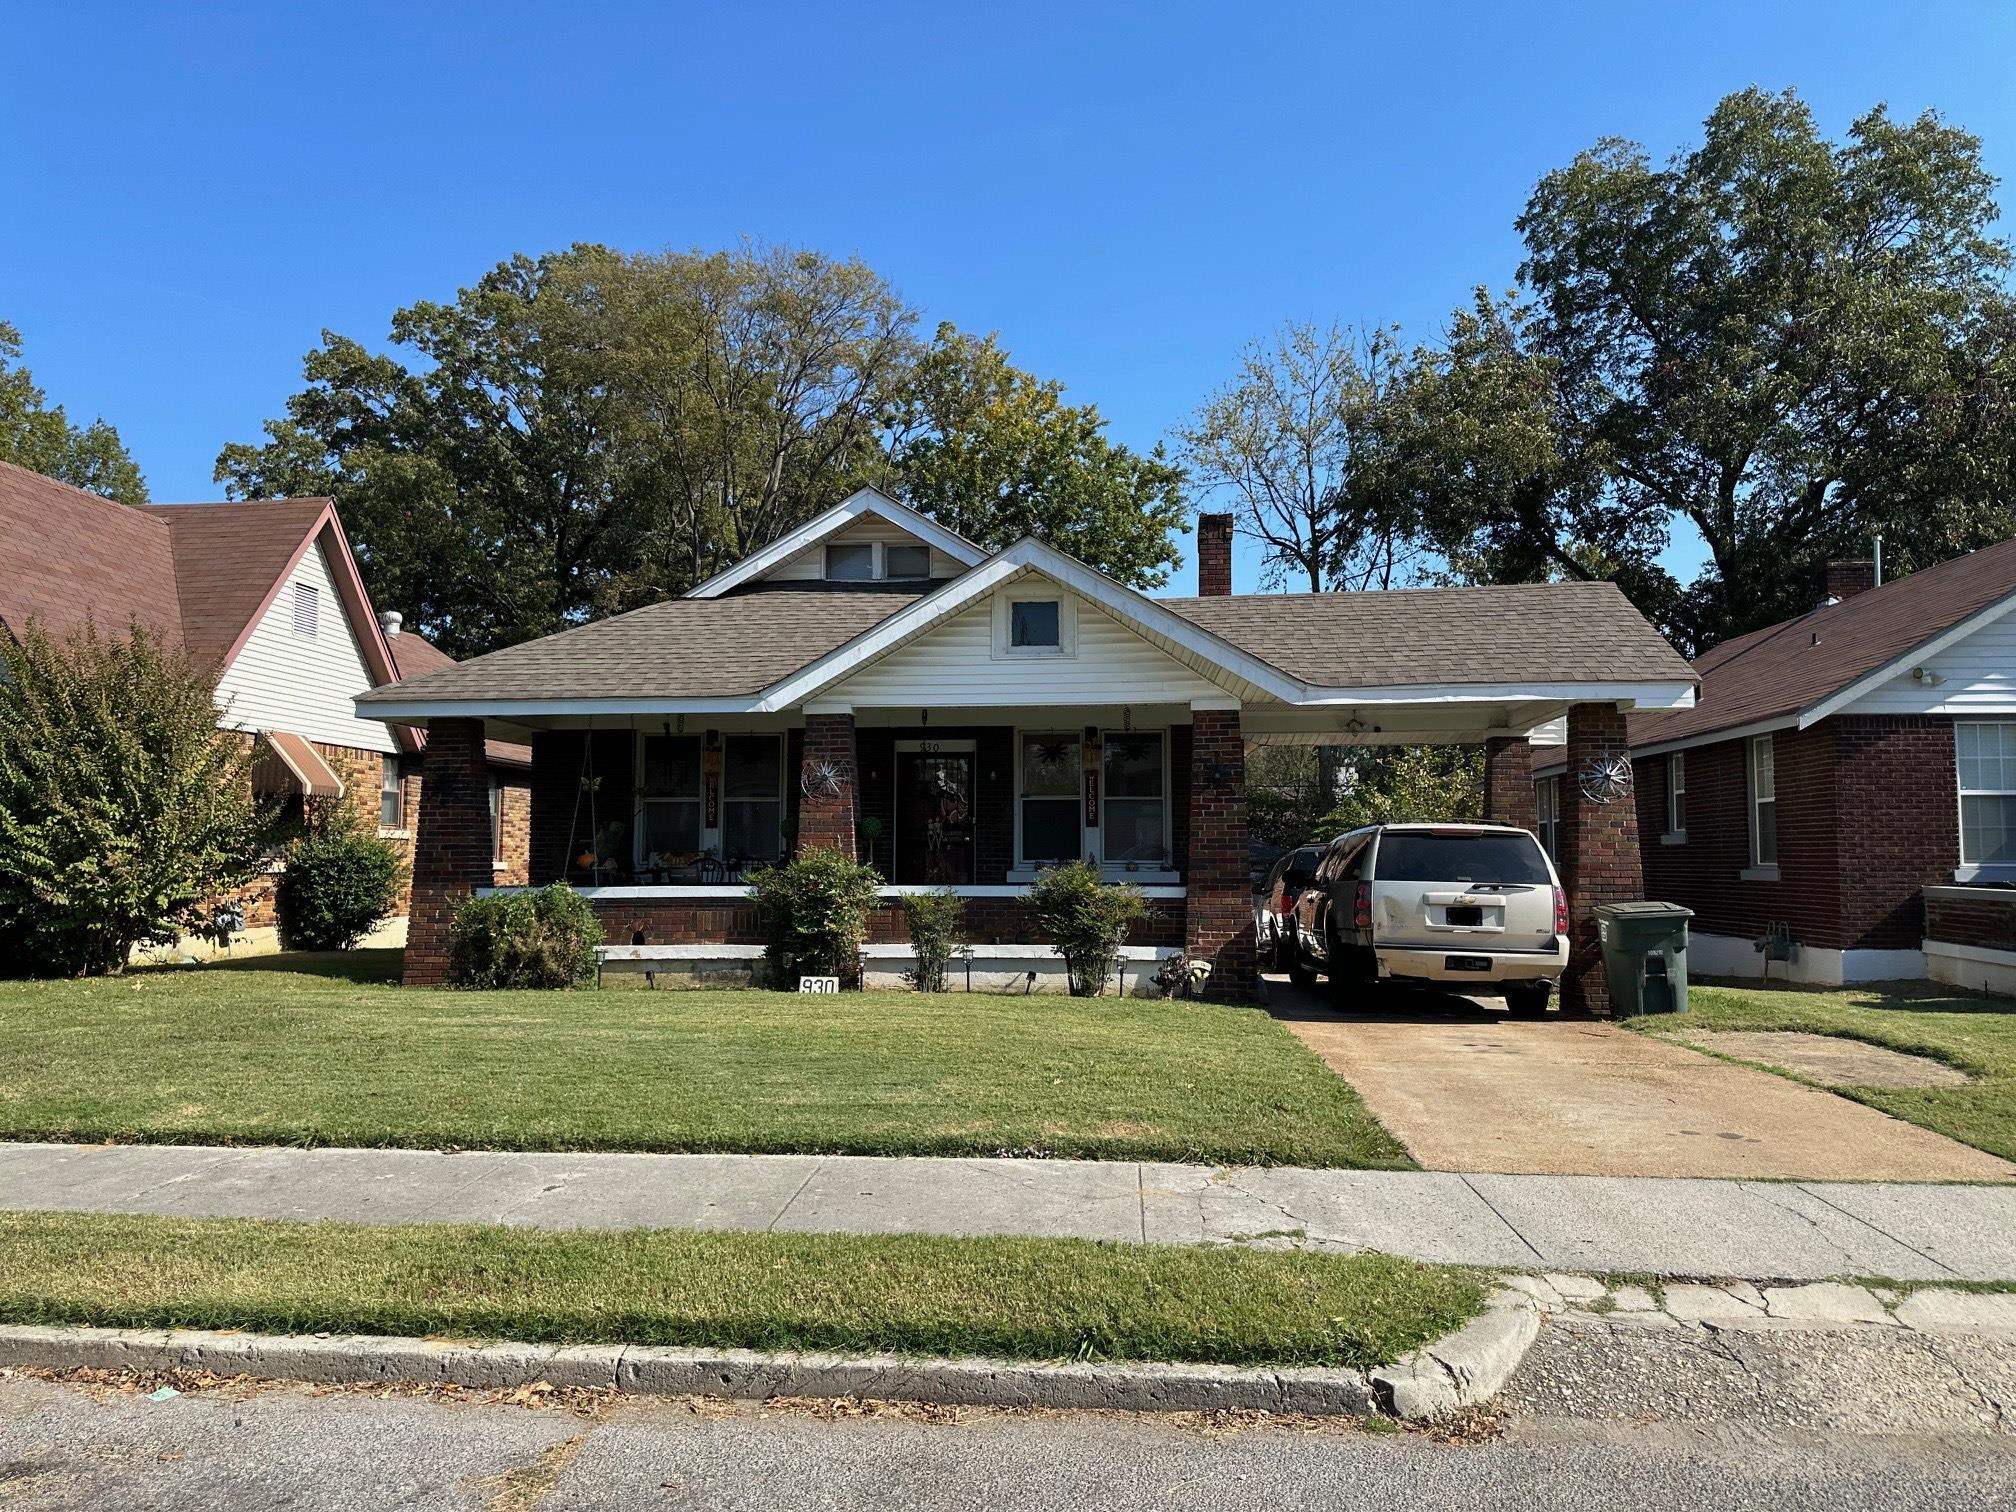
(850, 563)
(307, 609)
(907, 562)
(1033, 625)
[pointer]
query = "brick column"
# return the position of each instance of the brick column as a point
(1508, 781)
(451, 843)
(1599, 860)
(826, 821)
(1218, 904)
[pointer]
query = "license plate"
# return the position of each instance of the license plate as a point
(1466, 963)
(1466, 915)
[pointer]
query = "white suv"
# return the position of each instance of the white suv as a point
(1476, 907)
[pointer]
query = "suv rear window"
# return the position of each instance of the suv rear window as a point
(1411, 857)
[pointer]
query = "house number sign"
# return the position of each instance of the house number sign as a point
(818, 984)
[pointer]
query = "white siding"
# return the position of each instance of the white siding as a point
(284, 681)
(1976, 676)
(954, 666)
(809, 565)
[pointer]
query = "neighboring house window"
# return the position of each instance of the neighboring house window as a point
(1763, 803)
(752, 797)
(1987, 766)
(1050, 792)
(307, 609)
(671, 797)
(391, 795)
(496, 820)
(906, 562)
(1676, 794)
(1134, 796)
(1034, 625)
(1547, 813)
(850, 563)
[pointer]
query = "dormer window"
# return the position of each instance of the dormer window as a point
(854, 563)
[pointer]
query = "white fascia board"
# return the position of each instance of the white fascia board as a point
(862, 501)
(1648, 695)
(1835, 702)
(1123, 603)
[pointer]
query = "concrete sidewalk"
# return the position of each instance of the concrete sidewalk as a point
(1756, 1230)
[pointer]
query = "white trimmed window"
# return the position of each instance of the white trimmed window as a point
(1035, 625)
(496, 820)
(1763, 803)
(851, 562)
(1050, 793)
(752, 797)
(906, 562)
(1985, 756)
(1676, 794)
(391, 795)
(1547, 813)
(1134, 798)
(307, 609)
(670, 796)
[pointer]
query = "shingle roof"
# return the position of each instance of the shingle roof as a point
(413, 655)
(683, 648)
(227, 559)
(68, 557)
(1788, 667)
(1526, 633)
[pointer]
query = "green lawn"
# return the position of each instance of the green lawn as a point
(331, 1052)
(1021, 1298)
(1976, 1034)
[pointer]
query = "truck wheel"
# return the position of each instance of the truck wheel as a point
(1350, 977)
(1300, 972)
(1527, 1000)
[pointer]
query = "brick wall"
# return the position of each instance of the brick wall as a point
(1599, 860)
(1508, 781)
(989, 921)
(452, 845)
(826, 821)
(1980, 918)
(1219, 915)
(1867, 816)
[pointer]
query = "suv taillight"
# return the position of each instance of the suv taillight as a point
(1560, 912)
(1361, 914)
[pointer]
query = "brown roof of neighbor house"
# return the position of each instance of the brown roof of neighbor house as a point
(1527, 633)
(228, 559)
(68, 558)
(724, 647)
(1786, 668)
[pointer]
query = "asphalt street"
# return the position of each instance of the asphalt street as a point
(1619, 1418)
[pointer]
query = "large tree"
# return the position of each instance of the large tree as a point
(1279, 445)
(1792, 344)
(41, 437)
(995, 453)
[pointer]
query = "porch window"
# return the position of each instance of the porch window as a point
(1050, 792)
(1986, 754)
(1547, 813)
(1676, 794)
(1763, 803)
(752, 797)
(1134, 797)
(671, 800)
(391, 795)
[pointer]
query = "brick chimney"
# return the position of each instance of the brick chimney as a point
(1214, 555)
(1846, 579)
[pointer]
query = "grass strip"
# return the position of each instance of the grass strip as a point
(328, 1051)
(1035, 1299)
(1973, 1034)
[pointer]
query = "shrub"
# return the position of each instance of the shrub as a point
(1086, 920)
(340, 883)
(123, 809)
(937, 932)
(816, 912)
(542, 938)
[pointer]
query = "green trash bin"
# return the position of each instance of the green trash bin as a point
(1645, 956)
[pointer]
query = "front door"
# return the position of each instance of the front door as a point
(934, 816)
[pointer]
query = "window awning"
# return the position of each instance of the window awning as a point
(298, 766)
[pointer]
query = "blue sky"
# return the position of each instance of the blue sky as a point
(1126, 193)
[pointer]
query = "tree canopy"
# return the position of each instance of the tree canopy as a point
(583, 432)
(41, 437)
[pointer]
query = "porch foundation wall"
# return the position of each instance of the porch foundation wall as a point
(989, 921)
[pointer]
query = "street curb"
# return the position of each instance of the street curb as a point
(1463, 1369)
(1480, 1357)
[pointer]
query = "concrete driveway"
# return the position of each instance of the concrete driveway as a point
(1466, 1088)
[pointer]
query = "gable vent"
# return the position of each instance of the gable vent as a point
(307, 608)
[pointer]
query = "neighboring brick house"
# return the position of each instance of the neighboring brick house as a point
(877, 684)
(1846, 785)
(267, 593)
